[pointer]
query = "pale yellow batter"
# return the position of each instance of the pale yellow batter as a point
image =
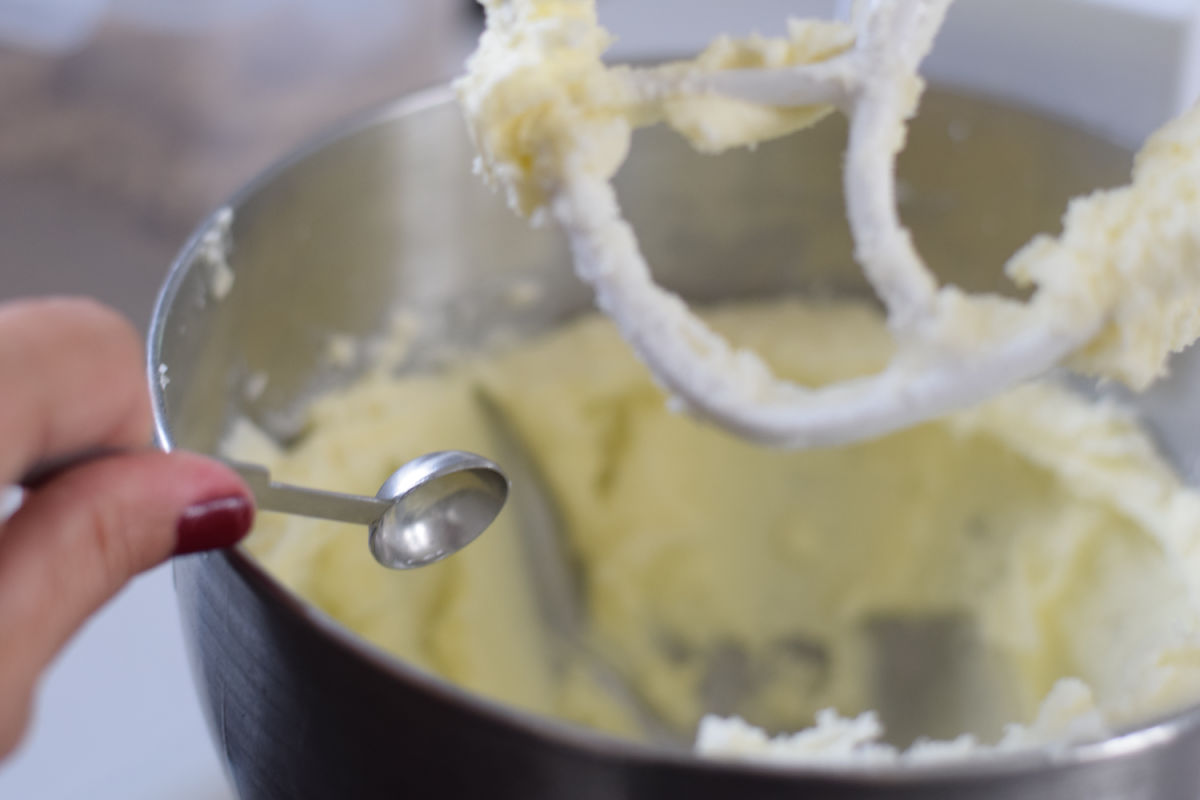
(1048, 521)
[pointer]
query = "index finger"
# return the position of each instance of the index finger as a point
(71, 380)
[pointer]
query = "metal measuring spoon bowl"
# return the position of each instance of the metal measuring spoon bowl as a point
(437, 505)
(430, 508)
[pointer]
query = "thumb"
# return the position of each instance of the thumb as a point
(79, 538)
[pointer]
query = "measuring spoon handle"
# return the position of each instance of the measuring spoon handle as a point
(271, 495)
(268, 495)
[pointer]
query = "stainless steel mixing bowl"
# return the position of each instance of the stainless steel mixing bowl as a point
(387, 214)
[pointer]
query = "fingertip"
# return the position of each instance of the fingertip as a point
(207, 477)
(213, 524)
(133, 511)
(221, 512)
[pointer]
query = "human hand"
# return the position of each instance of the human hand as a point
(72, 380)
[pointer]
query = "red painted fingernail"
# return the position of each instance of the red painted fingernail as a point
(213, 525)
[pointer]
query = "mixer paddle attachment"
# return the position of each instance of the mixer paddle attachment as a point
(552, 124)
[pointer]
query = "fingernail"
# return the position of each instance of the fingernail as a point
(213, 525)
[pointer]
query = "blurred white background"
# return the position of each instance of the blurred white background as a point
(122, 122)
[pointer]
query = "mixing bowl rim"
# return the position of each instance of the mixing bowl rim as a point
(556, 733)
